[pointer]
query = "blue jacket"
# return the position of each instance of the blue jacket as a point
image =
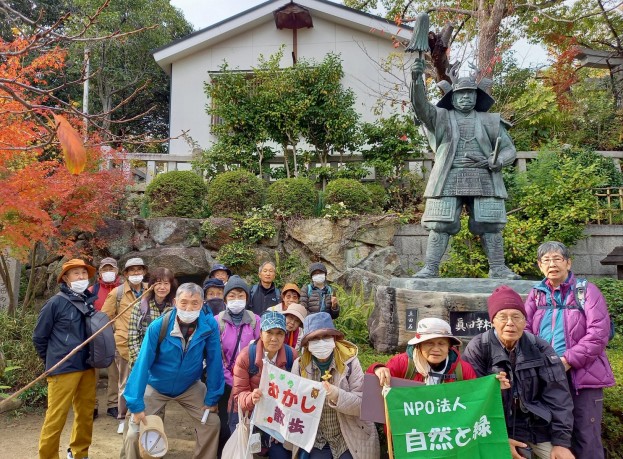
(60, 328)
(177, 369)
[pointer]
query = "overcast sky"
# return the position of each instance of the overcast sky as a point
(204, 13)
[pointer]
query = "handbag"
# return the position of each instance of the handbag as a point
(236, 446)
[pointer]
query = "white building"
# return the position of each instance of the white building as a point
(362, 40)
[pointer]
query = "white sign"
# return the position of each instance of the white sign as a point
(290, 407)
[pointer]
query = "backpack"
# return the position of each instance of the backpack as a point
(323, 306)
(458, 370)
(102, 347)
(253, 369)
(579, 292)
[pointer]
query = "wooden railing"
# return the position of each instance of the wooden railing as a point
(611, 206)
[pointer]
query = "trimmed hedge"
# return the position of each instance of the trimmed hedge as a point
(352, 193)
(293, 196)
(176, 194)
(233, 193)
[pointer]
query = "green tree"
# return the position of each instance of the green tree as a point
(119, 66)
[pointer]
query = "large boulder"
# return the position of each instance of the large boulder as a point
(217, 232)
(175, 232)
(355, 278)
(384, 262)
(117, 236)
(183, 261)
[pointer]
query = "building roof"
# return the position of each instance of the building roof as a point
(246, 20)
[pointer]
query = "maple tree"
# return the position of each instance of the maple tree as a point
(52, 185)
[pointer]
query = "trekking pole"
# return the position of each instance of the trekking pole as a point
(4, 402)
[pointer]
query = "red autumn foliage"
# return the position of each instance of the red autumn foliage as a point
(41, 200)
(562, 74)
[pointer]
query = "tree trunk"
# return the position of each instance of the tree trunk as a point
(5, 275)
(489, 21)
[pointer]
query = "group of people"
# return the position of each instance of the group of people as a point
(204, 347)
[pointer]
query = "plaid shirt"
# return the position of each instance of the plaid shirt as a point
(329, 427)
(138, 326)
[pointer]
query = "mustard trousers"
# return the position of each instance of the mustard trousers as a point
(77, 390)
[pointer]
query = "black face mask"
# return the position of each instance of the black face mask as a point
(216, 305)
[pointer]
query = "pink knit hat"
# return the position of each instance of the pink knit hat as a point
(504, 297)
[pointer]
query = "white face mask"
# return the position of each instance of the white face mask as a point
(135, 279)
(188, 317)
(319, 278)
(236, 306)
(109, 276)
(321, 348)
(79, 286)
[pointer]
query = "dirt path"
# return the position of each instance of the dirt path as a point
(19, 434)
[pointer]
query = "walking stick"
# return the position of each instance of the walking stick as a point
(5, 402)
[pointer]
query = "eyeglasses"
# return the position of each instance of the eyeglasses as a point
(514, 319)
(555, 260)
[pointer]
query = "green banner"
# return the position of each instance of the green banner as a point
(462, 420)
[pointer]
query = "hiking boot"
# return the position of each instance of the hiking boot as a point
(112, 412)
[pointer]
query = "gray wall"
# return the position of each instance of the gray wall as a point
(410, 243)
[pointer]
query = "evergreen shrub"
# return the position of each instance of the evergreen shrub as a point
(233, 193)
(293, 196)
(352, 193)
(176, 194)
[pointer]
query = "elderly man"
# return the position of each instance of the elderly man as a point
(117, 301)
(572, 315)
(538, 406)
(60, 328)
(107, 280)
(170, 366)
(264, 294)
(471, 147)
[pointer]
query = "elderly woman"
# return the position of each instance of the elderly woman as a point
(152, 306)
(327, 357)
(248, 371)
(432, 357)
(295, 315)
(290, 294)
(571, 314)
(237, 327)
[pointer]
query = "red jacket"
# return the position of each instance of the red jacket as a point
(399, 363)
(103, 291)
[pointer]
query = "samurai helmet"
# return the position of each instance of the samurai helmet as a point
(483, 100)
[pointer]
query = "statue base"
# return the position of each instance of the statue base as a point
(461, 302)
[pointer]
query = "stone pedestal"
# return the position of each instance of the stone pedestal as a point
(14, 275)
(461, 302)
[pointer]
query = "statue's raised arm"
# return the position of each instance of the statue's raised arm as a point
(423, 109)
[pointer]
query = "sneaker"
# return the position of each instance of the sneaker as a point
(70, 455)
(113, 412)
(120, 428)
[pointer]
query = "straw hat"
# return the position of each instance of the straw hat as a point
(431, 328)
(75, 263)
(152, 441)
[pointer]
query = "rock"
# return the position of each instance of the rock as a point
(354, 278)
(175, 232)
(428, 298)
(217, 232)
(384, 262)
(383, 323)
(142, 238)
(183, 261)
(378, 231)
(117, 235)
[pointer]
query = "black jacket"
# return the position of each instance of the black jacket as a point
(538, 406)
(60, 328)
(262, 299)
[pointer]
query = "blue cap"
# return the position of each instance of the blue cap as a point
(273, 319)
(219, 267)
(213, 282)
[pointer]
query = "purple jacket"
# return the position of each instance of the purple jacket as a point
(229, 337)
(586, 332)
